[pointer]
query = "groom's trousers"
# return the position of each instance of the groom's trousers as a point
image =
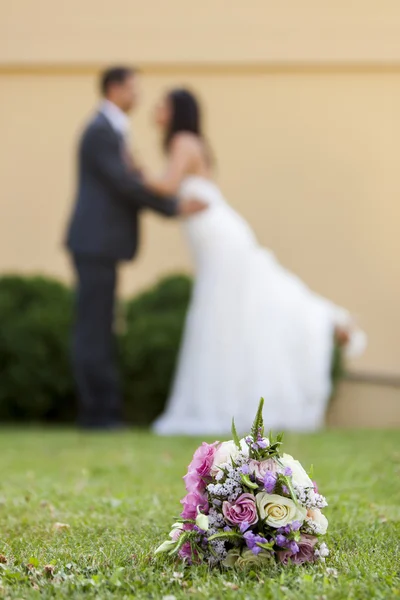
(93, 345)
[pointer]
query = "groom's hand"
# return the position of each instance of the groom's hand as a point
(190, 207)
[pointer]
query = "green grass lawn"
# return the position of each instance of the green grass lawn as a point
(118, 494)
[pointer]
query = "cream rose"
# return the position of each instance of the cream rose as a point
(279, 511)
(232, 558)
(249, 560)
(299, 475)
(225, 453)
(319, 519)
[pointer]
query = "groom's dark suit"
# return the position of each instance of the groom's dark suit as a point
(104, 230)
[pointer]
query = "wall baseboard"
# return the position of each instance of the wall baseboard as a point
(365, 404)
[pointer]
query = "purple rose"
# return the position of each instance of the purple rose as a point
(305, 551)
(200, 467)
(193, 502)
(243, 510)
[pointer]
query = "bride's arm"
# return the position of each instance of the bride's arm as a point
(181, 160)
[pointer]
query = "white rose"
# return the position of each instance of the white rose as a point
(299, 475)
(244, 448)
(279, 511)
(224, 455)
(320, 520)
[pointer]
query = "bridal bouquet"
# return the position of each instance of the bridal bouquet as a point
(248, 504)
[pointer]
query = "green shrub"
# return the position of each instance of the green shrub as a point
(149, 346)
(35, 328)
(35, 377)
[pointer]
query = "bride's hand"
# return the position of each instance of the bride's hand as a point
(191, 206)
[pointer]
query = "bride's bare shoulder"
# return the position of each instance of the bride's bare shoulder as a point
(186, 142)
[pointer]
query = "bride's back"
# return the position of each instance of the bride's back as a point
(218, 234)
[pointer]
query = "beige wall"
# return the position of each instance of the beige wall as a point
(302, 113)
(226, 31)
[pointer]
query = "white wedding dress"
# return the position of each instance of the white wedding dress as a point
(253, 329)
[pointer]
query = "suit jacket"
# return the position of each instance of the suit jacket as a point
(109, 198)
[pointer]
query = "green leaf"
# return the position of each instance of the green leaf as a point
(235, 436)
(231, 535)
(165, 547)
(34, 562)
(288, 482)
(181, 542)
(248, 483)
(258, 421)
(269, 546)
(180, 520)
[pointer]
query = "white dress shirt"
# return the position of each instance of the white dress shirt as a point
(118, 120)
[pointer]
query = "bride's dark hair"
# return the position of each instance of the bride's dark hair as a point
(185, 117)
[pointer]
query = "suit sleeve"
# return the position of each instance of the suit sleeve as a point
(107, 161)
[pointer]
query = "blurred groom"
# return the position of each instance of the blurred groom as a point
(103, 231)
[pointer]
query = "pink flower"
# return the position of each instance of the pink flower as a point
(304, 554)
(191, 502)
(187, 554)
(243, 510)
(193, 482)
(315, 487)
(200, 467)
(203, 459)
(260, 469)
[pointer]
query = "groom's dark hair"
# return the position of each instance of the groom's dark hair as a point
(114, 75)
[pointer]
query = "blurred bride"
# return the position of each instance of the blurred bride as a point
(253, 328)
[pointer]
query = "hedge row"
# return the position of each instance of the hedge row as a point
(35, 323)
